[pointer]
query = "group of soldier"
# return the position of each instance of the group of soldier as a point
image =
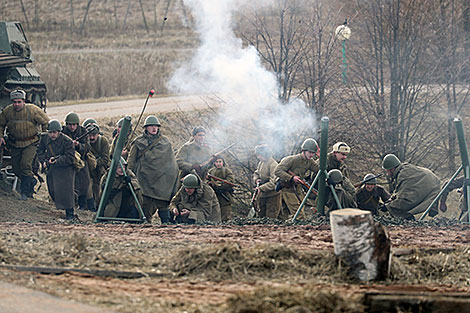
(192, 185)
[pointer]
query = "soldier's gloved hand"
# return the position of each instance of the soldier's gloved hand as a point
(443, 205)
(330, 181)
(127, 179)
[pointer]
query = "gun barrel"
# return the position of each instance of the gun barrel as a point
(221, 180)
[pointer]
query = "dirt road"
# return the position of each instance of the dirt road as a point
(134, 106)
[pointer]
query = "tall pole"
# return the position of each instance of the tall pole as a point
(465, 162)
(322, 174)
(345, 64)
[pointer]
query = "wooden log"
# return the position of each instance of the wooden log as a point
(361, 243)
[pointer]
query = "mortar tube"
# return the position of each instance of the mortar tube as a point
(321, 200)
(112, 169)
(464, 159)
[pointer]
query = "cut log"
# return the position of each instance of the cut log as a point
(361, 243)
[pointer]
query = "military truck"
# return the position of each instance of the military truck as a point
(15, 56)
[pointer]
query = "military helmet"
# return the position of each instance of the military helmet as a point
(390, 161)
(198, 129)
(17, 94)
(89, 121)
(151, 120)
(341, 147)
(336, 176)
(72, 118)
(54, 125)
(310, 144)
(263, 150)
(191, 181)
(93, 128)
(372, 180)
(119, 123)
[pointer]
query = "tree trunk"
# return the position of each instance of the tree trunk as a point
(361, 243)
(143, 16)
(82, 26)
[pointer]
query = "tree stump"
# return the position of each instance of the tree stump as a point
(361, 243)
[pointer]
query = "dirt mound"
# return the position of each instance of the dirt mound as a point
(293, 300)
(232, 261)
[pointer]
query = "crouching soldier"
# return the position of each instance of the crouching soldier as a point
(414, 188)
(345, 198)
(369, 195)
(222, 189)
(56, 153)
(268, 199)
(195, 202)
(121, 202)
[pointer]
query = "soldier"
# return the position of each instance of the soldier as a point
(21, 122)
(116, 133)
(193, 153)
(460, 182)
(121, 202)
(292, 170)
(414, 188)
(152, 159)
(56, 153)
(369, 195)
(335, 160)
(75, 131)
(222, 190)
(195, 202)
(336, 180)
(99, 147)
(268, 199)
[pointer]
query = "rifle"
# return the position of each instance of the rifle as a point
(221, 180)
(149, 95)
(89, 129)
(215, 155)
(359, 184)
(304, 183)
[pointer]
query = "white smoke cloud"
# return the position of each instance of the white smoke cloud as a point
(222, 66)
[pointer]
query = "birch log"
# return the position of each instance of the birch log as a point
(361, 243)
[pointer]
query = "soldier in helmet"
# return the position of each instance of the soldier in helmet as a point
(335, 160)
(292, 170)
(121, 203)
(369, 194)
(99, 147)
(193, 153)
(22, 122)
(414, 188)
(76, 132)
(222, 190)
(56, 153)
(268, 199)
(195, 202)
(461, 183)
(336, 180)
(152, 159)
(116, 133)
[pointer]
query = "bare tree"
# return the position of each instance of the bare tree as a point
(87, 9)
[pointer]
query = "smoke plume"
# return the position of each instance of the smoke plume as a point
(233, 73)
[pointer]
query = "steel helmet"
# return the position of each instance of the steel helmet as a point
(336, 176)
(341, 147)
(310, 144)
(191, 181)
(54, 125)
(151, 120)
(72, 118)
(119, 123)
(89, 121)
(372, 180)
(390, 161)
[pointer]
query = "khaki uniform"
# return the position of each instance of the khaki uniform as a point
(152, 159)
(333, 163)
(292, 196)
(61, 175)
(22, 129)
(268, 199)
(223, 190)
(370, 201)
(189, 155)
(345, 198)
(414, 189)
(121, 202)
(457, 183)
(202, 204)
(100, 149)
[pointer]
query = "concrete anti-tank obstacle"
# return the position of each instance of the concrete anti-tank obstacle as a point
(361, 243)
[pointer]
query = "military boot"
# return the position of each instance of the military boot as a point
(33, 182)
(90, 203)
(69, 214)
(164, 216)
(81, 201)
(24, 187)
